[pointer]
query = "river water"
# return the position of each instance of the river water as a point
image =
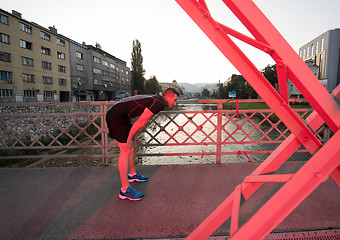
(203, 150)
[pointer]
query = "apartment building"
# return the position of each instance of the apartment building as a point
(34, 61)
(80, 70)
(40, 65)
(322, 55)
(110, 77)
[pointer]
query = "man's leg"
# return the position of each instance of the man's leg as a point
(133, 177)
(127, 192)
(123, 160)
(132, 159)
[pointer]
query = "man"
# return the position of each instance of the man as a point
(126, 134)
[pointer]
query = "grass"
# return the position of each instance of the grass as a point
(259, 105)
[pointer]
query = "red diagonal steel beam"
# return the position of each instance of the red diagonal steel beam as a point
(297, 71)
(216, 34)
(305, 181)
(335, 175)
(276, 159)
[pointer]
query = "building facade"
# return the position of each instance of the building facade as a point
(35, 63)
(174, 85)
(322, 55)
(40, 65)
(110, 77)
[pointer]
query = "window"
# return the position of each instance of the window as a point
(4, 38)
(105, 73)
(304, 53)
(112, 66)
(80, 80)
(80, 67)
(46, 65)
(45, 51)
(61, 55)
(45, 36)
(322, 44)
(312, 50)
(4, 19)
(25, 44)
(27, 61)
(29, 93)
(47, 80)
(307, 52)
(60, 42)
(28, 77)
(6, 93)
(25, 28)
(96, 60)
(48, 94)
(317, 47)
(97, 82)
(4, 75)
(62, 82)
(97, 71)
(105, 63)
(61, 68)
(79, 55)
(5, 57)
(321, 67)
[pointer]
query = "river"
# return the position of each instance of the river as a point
(203, 150)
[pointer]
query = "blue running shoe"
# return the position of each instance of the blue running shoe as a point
(131, 194)
(137, 178)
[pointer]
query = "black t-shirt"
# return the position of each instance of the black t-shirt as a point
(134, 106)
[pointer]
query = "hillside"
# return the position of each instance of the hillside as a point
(197, 87)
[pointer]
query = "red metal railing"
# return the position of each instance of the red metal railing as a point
(324, 162)
(66, 130)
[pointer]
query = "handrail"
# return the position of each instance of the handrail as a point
(66, 129)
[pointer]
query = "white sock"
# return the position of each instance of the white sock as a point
(131, 175)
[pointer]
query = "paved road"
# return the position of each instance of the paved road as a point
(82, 203)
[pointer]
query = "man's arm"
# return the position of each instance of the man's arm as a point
(138, 126)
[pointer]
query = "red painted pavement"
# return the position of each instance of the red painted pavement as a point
(82, 203)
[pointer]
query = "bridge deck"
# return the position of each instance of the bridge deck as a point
(82, 203)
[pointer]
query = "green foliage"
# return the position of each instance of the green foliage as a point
(243, 90)
(239, 85)
(205, 93)
(137, 70)
(152, 86)
(270, 73)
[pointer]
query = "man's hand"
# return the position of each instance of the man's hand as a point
(137, 128)
(132, 143)
(129, 144)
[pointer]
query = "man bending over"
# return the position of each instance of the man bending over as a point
(126, 134)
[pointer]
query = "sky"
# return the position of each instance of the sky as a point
(173, 47)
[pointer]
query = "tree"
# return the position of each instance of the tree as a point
(137, 70)
(205, 93)
(270, 73)
(238, 85)
(98, 45)
(152, 86)
(221, 91)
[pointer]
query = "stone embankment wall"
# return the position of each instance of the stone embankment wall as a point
(22, 124)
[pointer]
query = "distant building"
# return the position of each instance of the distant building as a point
(174, 85)
(97, 75)
(322, 55)
(34, 61)
(39, 65)
(225, 83)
